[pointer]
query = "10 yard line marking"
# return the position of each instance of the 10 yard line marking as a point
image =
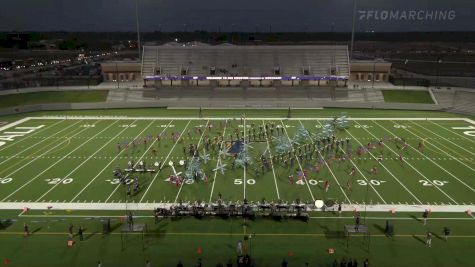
(409, 164)
(435, 163)
(374, 189)
(219, 161)
(298, 161)
(84, 161)
(169, 153)
(27, 137)
(271, 162)
(197, 146)
(136, 163)
(51, 166)
(454, 132)
(90, 182)
(380, 163)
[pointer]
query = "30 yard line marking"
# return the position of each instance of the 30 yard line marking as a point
(110, 162)
(197, 147)
(271, 161)
(301, 169)
(380, 163)
(39, 150)
(137, 162)
(30, 136)
(361, 173)
(435, 163)
(51, 166)
(409, 164)
(165, 161)
(218, 161)
(84, 161)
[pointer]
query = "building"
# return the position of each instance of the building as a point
(370, 70)
(123, 70)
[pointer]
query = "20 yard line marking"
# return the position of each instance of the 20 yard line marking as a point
(197, 147)
(51, 166)
(409, 164)
(169, 153)
(380, 163)
(218, 161)
(298, 161)
(271, 162)
(84, 161)
(364, 176)
(141, 157)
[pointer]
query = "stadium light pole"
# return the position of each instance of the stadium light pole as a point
(137, 24)
(353, 29)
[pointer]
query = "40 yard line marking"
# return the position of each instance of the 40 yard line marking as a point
(84, 161)
(409, 164)
(271, 162)
(169, 153)
(218, 162)
(110, 162)
(29, 136)
(197, 147)
(52, 165)
(298, 161)
(364, 176)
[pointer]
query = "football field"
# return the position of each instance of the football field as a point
(405, 164)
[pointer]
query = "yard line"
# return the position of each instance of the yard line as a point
(410, 165)
(271, 162)
(143, 154)
(29, 136)
(454, 132)
(245, 169)
(364, 176)
(219, 161)
(380, 163)
(51, 166)
(298, 161)
(197, 146)
(446, 139)
(110, 162)
(169, 153)
(435, 163)
(36, 144)
(42, 154)
(84, 161)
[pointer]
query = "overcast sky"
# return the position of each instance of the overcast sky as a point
(225, 15)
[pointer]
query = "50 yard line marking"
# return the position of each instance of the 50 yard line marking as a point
(143, 154)
(409, 164)
(271, 162)
(86, 160)
(52, 165)
(29, 137)
(298, 161)
(169, 153)
(197, 147)
(361, 173)
(110, 162)
(245, 164)
(219, 161)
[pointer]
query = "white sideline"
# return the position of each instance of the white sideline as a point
(153, 205)
(252, 118)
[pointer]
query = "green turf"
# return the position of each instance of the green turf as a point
(72, 161)
(407, 96)
(53, 97)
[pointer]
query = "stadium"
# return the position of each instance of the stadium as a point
(337, 138)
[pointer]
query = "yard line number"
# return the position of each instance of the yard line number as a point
(373, 182)
(5, 180)
(59, 181)
(434, 182)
